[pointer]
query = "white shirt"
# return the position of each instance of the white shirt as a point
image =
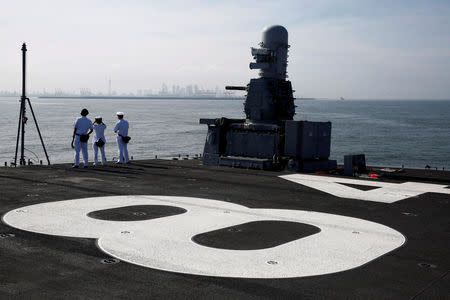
(122, 127)
(82, 125)
(99, 132)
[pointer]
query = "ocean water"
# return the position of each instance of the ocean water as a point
(388, 132)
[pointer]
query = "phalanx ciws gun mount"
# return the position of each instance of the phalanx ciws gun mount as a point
(268, 138)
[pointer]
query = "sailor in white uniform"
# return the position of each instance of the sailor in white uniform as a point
(99, 140)
(81, 130)
(121, 129)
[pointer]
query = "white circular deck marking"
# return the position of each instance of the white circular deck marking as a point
(166, 243)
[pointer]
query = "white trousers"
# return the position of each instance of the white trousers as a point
(102, 151)
(83, 147)
(123, 151)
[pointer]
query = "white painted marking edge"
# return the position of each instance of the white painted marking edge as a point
(386, 193)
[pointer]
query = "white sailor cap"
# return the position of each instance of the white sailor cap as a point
(98, 117)
(119, 113)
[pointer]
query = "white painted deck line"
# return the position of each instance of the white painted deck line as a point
(386, 193)
(166, 243)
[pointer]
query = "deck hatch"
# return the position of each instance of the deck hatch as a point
(136, 212)
(255, 235)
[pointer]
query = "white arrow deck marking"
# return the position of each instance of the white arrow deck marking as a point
(386, 193)
(166, 243)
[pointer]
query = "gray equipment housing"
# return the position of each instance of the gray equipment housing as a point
(268, 138)
(354, 164)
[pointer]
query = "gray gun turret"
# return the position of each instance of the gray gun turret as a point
(271, 58)
(268, 138)
(270, 97)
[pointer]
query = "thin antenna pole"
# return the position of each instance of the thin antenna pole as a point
(23, 118)
(23, 103)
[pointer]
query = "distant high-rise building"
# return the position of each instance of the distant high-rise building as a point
(109, 90)
(189, 91)
(164, 89)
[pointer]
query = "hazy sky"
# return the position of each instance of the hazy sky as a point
(348, 48)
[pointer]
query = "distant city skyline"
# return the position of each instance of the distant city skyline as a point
(190, 90)
(339, 48)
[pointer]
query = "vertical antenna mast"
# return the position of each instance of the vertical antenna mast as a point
(23, 118)
(23, 103)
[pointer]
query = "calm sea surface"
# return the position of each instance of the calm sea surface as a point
(388, 132)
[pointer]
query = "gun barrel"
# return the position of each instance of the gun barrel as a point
(236, 88)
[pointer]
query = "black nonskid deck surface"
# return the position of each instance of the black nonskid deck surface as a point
(35, 265)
